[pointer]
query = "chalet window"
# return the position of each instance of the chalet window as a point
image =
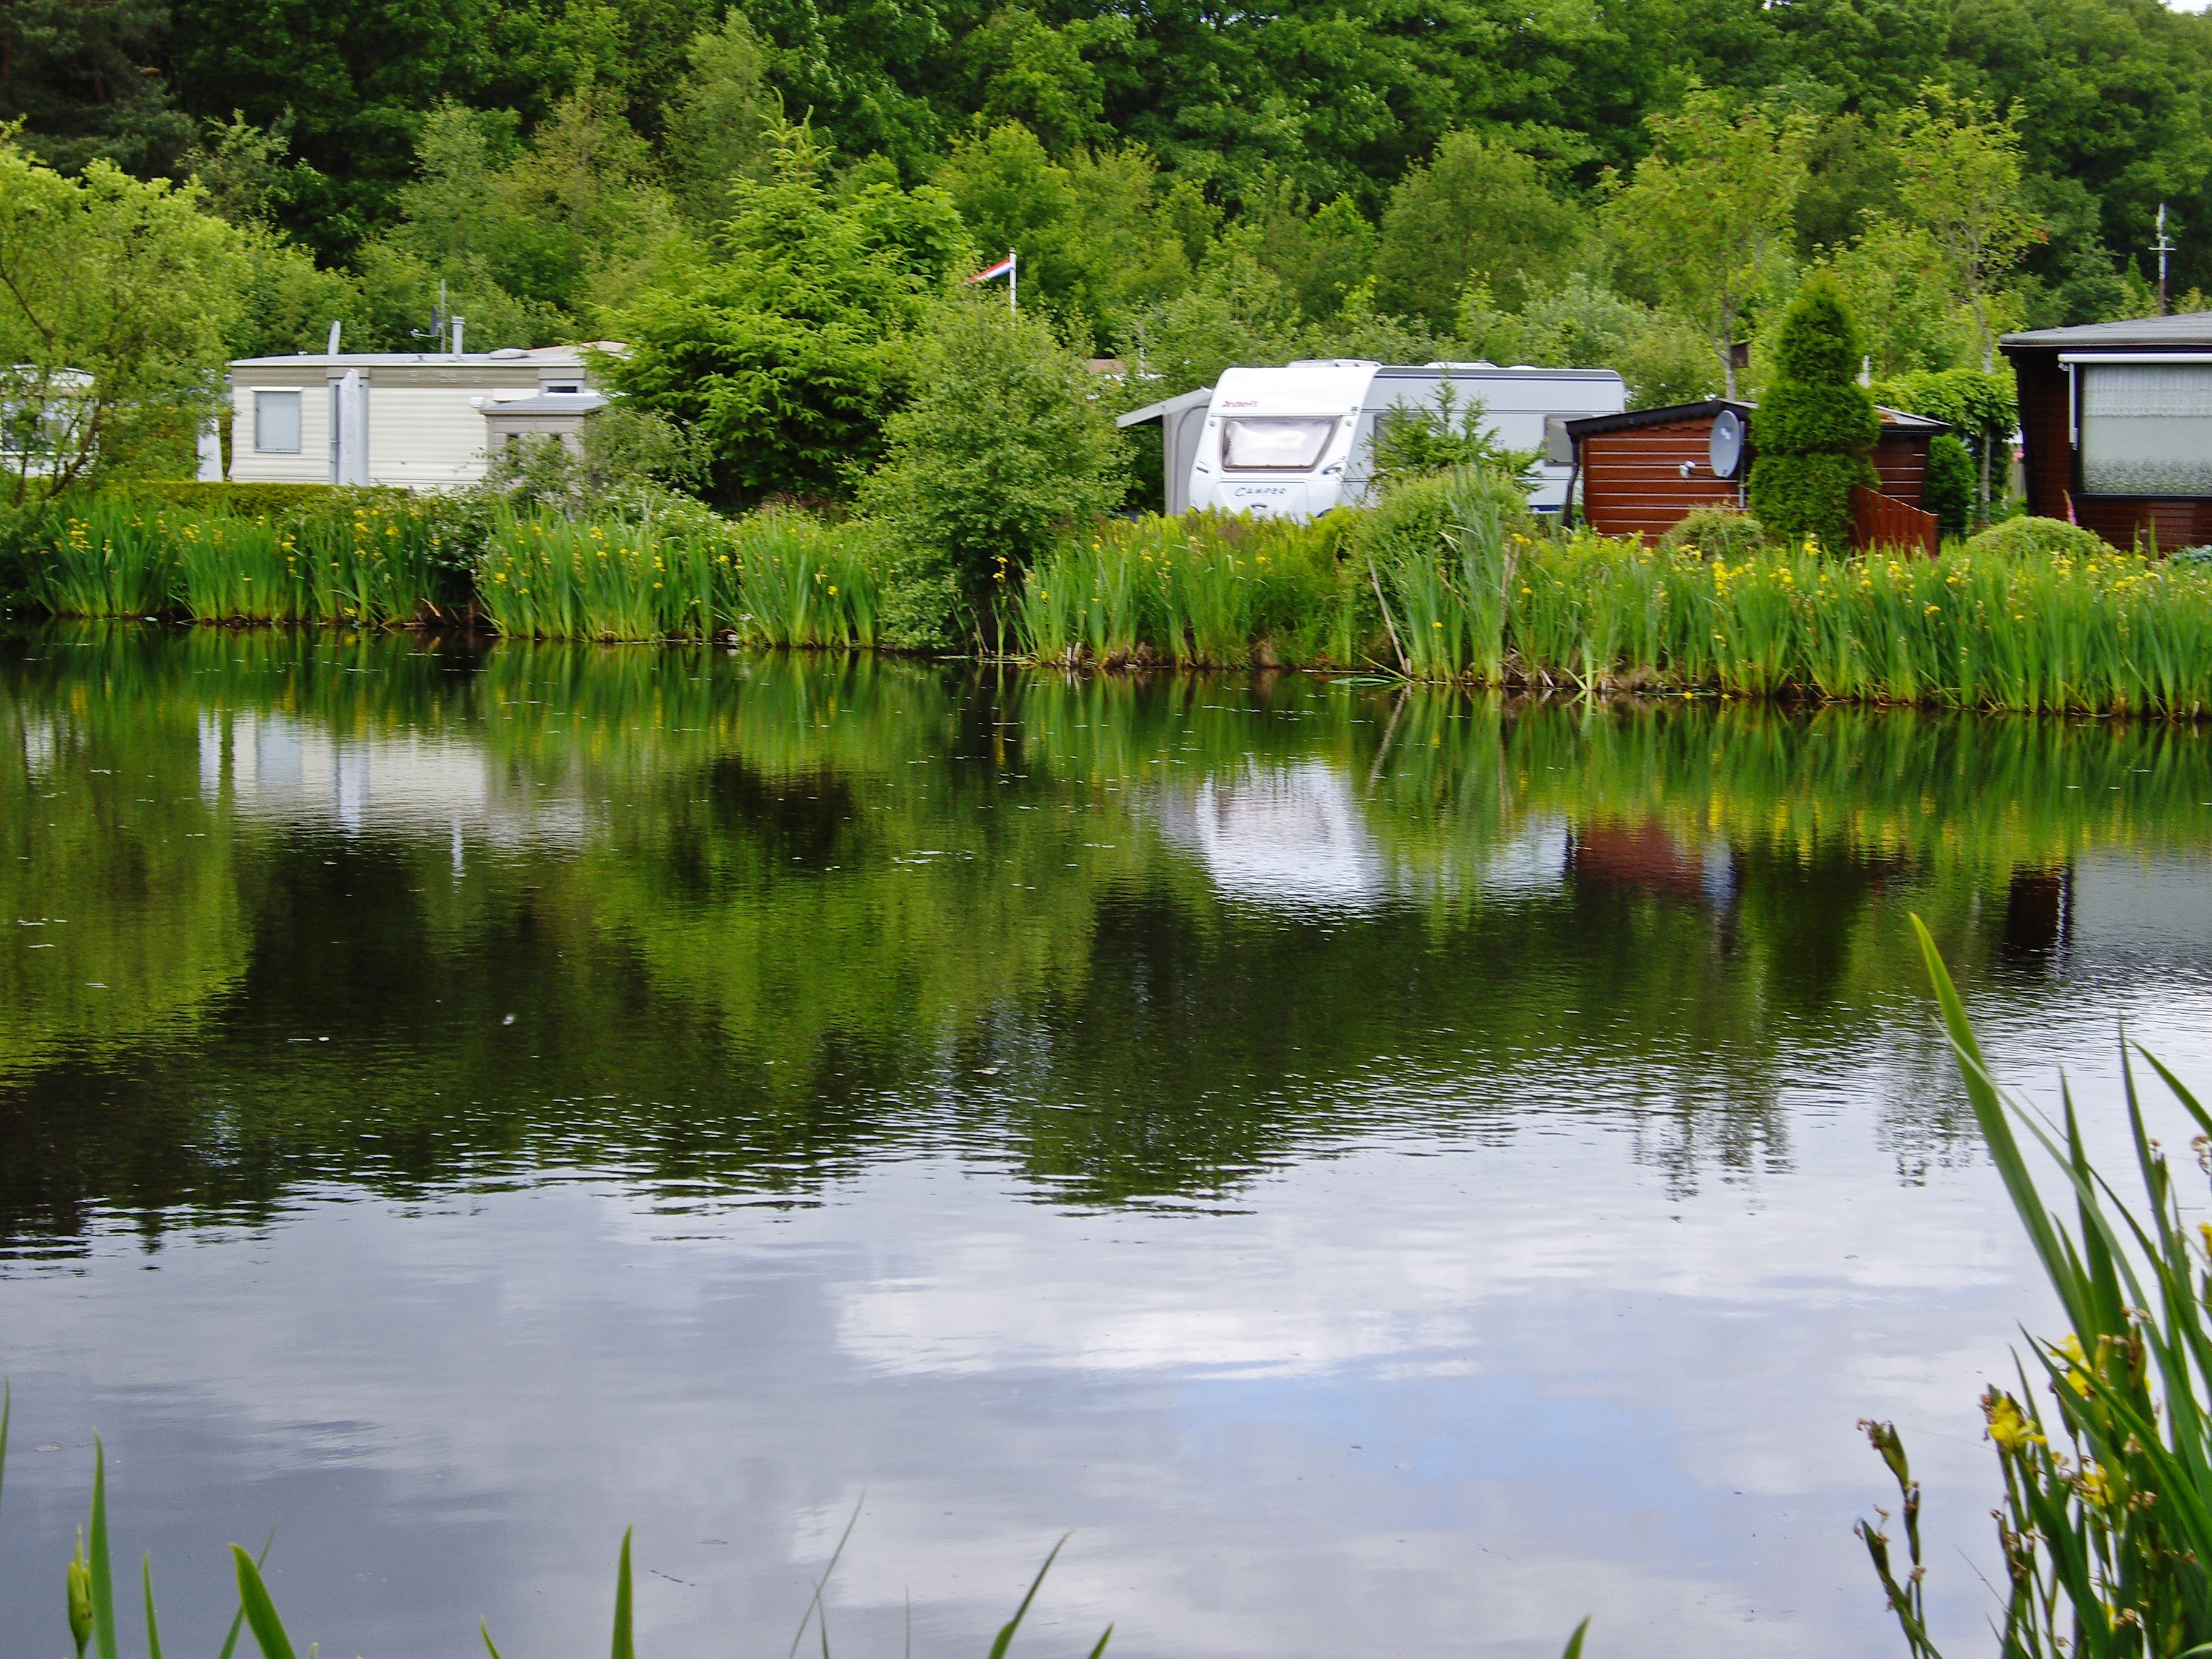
(276, 422)
(1273, 446)
(2146, 429)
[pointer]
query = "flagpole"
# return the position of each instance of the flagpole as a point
(1013, 278)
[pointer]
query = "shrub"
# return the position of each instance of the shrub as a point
(1005, 449)
(1815, 424)
(253, 501)
(1726, 533)
(2025, 538)
(1948, 491)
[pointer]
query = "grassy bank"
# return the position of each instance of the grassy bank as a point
(1447, 580)
(1456, 589)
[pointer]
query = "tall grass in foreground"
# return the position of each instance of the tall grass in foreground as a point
(360, 561)
(2105, 1522)
(777, 577)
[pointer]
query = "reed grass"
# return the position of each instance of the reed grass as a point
(1466, 593)
(374, 562)
(2105, 1520)
(1205, 589)
(776, 577)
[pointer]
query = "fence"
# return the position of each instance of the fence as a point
(1879, 521)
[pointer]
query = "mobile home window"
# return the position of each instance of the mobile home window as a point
(1276, 445)
(2146, 429)
(276, 422)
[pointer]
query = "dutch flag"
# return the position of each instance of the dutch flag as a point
(1004, 268)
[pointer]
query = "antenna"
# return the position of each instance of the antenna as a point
(2161, 248)
(436, 332)
(334, 338)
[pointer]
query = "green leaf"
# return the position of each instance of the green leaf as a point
(484, 1629)
(238, 1621)
(153, 1624)
(1006, 1636)
(1575, 1642)
(103, 1578)
(623, 1648)
(259, 1611)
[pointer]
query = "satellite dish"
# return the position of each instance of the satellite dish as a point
(1726, 450)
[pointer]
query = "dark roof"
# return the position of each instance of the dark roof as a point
(1588, 425)
(2190, 331)
(1667, 415)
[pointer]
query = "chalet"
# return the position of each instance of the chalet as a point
(424, 420)
(1642, 473)
(2115, 424)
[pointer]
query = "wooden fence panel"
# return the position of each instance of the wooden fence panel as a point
(1884, 522)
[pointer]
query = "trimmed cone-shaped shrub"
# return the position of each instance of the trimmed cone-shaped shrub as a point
(1949, 489)
(1814, 423)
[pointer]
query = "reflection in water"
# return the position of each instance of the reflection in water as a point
(1319, 1140)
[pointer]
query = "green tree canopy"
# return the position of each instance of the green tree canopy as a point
(117, 298)
(786, 351)
(1479, 211)
(1706, 216)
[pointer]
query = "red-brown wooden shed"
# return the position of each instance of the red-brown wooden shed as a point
(1642, 473)
(2116, 421)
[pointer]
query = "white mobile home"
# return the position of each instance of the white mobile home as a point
(1298, 440)
(431, 418)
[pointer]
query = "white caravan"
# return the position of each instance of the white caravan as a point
(1295, 442)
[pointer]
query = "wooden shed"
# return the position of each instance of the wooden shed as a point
(2116, 421)
(1644, 473)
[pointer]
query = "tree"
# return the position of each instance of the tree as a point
(787, 351)
(1959, 176)
(1981, 408)
(1005, 448)
(720, 119)
(1814, 423)
(1583, 324)
(1706, 216)
(76, 76)
(116, 297)
(1479, 211)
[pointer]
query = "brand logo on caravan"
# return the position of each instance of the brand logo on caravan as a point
(1240, 403)
(1244, 491)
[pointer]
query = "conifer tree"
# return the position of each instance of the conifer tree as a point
(1815, 424)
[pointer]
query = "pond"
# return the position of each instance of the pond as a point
(1381, 1171)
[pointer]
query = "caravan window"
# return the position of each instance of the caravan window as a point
(1275, 445)
(2146, 429)
(276, 422)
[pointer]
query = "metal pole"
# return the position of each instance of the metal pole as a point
(2162, 246)
(1014, 278)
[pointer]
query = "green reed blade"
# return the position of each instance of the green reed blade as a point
(7, 1405)
(490, 1647)
(823, 1583)
(152, 1624)
(623, 1648)
(238, 1620)
(1098, 1651)
(103, 1578)
(259, 1612)
(1006, 1636)
(1575, 1642)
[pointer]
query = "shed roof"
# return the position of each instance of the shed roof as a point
(2188, 330)
(1670, 414)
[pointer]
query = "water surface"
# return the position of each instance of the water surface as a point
(1381, 1171)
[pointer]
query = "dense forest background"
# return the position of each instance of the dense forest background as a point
(1186, 184)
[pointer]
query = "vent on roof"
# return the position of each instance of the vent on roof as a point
(508, 354)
